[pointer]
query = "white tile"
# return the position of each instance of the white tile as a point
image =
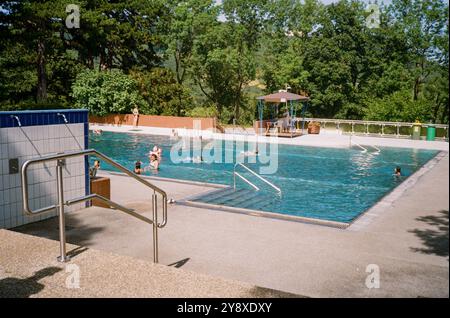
(3, 151)
(13, 222)
(14, 180)
(43, 202)
(2, 171)
(34, 204)
(36, 190)
(2, 209)
(57, 131)
(12, 195)
(19, 194)
(12, 134)
(3, 136)
(52, 148)
(5, 164)
(5, 181)
(26, 132)
(21, 135)
(32, 176)
(7, 197)
(40, 146)
(32, 133)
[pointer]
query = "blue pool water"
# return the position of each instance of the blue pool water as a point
(324, 183)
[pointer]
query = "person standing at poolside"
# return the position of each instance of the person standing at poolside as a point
(135, 116)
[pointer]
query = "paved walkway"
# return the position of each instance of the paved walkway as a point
(408, 242)
(29, 269)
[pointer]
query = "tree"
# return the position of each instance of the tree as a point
(104, 92)
(335, 58)
(162, 93)
(122, 34)
(31, 26)
(399, 107)
(424, 23)
(223, 65)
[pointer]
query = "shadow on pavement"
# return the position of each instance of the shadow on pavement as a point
(13, 287)
(435, 240)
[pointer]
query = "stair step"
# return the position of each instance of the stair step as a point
(237, 194)
(245, 198)
(216, 194)
(255, 202)
(264, 204)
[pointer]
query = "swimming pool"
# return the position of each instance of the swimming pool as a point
(321, 183)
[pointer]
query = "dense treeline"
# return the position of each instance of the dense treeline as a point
(201, 58)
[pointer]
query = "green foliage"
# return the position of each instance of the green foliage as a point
(399, 107)
(164, 96)
(202, 111)
(104, 92)
(223, 65)
(209, 58)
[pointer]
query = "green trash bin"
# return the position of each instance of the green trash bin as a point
(431, 133)
(416, 130)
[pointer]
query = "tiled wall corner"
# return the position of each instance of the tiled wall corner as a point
(32, 140)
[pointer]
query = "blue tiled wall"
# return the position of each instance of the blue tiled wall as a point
(43, 117)
(40, 118)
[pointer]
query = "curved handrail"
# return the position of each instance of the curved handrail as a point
(71, 154)
(257, 175)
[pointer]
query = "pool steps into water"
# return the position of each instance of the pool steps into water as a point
(242, 198)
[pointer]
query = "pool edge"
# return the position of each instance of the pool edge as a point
(377, 209)
(266, 214)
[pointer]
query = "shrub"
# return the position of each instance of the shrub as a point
(104, 92)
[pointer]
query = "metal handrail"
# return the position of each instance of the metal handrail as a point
(246, 180)
(60, 157)
(364, 149)
(381, 124)
(255, 174)
(370, 122)
(358, 145)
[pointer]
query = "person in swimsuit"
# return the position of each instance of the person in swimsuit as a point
(154, 163)
(137, 167)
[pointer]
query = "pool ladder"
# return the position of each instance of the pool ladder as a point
(364, 149)
(237, 174)
(60, 163)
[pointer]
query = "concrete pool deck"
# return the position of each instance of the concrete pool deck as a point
(327, 138)
(408, 241)
(29, 269)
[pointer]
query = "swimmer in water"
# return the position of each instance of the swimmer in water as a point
(154, 163)
(137, 167)
(157, 152)
(398, 172)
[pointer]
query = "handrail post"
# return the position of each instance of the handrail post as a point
(62, 223)
(155, 227)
